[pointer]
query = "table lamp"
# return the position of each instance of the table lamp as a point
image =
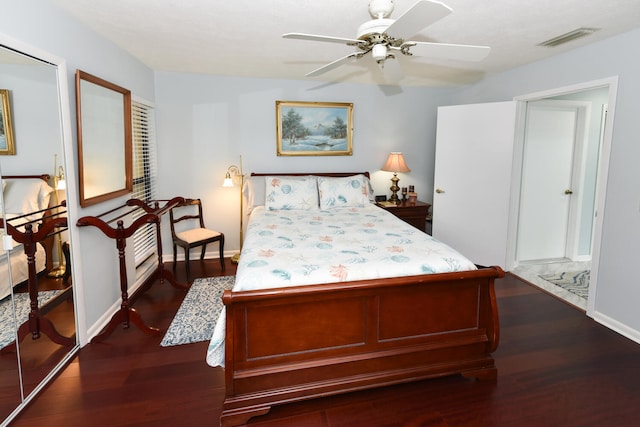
(395, 163)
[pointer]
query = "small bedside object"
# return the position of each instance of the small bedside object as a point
(413, 198)
(404, 193)
(382, 198)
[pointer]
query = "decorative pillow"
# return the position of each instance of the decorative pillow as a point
(350, 191)
(291, 193)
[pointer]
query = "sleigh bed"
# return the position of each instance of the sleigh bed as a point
(321, 308)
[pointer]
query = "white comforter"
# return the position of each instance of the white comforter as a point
(291, 248)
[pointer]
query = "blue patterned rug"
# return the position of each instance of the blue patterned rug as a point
(198, 313)
(7, 330)
(576, 282)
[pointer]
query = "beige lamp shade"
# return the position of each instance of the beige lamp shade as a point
(395, 163)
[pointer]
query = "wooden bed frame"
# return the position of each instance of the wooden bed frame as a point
(290, 344)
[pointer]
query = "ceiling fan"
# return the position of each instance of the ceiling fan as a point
(385, 37)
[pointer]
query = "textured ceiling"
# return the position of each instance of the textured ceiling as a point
(243, 37)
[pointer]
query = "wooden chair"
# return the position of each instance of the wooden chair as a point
(188, 231)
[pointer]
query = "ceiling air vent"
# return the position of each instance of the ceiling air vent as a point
(567, 37)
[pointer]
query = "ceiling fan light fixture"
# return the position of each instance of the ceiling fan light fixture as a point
(379, 52)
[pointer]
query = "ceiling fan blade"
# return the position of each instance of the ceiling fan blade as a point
(457, 52)
(334, 64)
(419, 16)
(330, 39)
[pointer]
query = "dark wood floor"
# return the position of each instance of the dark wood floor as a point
(556, 367)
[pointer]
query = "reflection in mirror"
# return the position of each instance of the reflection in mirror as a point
(43, 333)
(104, 139)
(10, 392)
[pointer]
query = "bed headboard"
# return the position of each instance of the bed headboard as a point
(44, 176)
(336, 174)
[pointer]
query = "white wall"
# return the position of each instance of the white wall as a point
(618, 293)
(206, 122)
(44, 26)
(34, 99)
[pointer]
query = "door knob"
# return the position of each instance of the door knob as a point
(568, 192)
(439, 190)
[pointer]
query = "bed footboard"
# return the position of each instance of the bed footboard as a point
(290, 344)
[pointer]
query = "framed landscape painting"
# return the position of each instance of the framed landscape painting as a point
(7, 145)
(314, 128)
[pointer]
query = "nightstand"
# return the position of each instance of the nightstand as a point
(412, 213)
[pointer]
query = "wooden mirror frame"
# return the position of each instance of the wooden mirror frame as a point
(93, 155)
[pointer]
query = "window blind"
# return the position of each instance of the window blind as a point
(145, 174)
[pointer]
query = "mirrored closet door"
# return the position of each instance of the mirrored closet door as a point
(37, 304)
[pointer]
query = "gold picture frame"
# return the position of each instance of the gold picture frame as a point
(7, 143)
(314, 128)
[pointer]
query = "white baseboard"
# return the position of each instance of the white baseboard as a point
(616, 326)
(196, 255)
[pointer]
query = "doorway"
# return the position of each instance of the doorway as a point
(557, 234)
(554, 141)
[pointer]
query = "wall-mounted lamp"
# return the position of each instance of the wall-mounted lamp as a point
(395, 163)
(59, 180)
(232, 178)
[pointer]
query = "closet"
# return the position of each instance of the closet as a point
(35, 124)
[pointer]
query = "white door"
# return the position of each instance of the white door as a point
(473, 175)
(552, 141)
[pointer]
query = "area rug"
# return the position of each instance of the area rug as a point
(576, 282)
(199, 311)
(7, 329)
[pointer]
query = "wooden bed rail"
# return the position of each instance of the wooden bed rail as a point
(264, 294)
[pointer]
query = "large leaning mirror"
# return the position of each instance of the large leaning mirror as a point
(31, 195)
(104, 139)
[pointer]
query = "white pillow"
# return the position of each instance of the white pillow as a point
(23, 196)
(291, 193)
(349, 191)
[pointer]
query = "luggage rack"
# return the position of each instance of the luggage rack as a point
(104, 222)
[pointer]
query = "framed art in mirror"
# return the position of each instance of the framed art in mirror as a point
(7, 145)
(104, 139)
(314, 128)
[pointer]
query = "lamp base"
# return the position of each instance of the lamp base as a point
(394, 189)
(57, 272)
